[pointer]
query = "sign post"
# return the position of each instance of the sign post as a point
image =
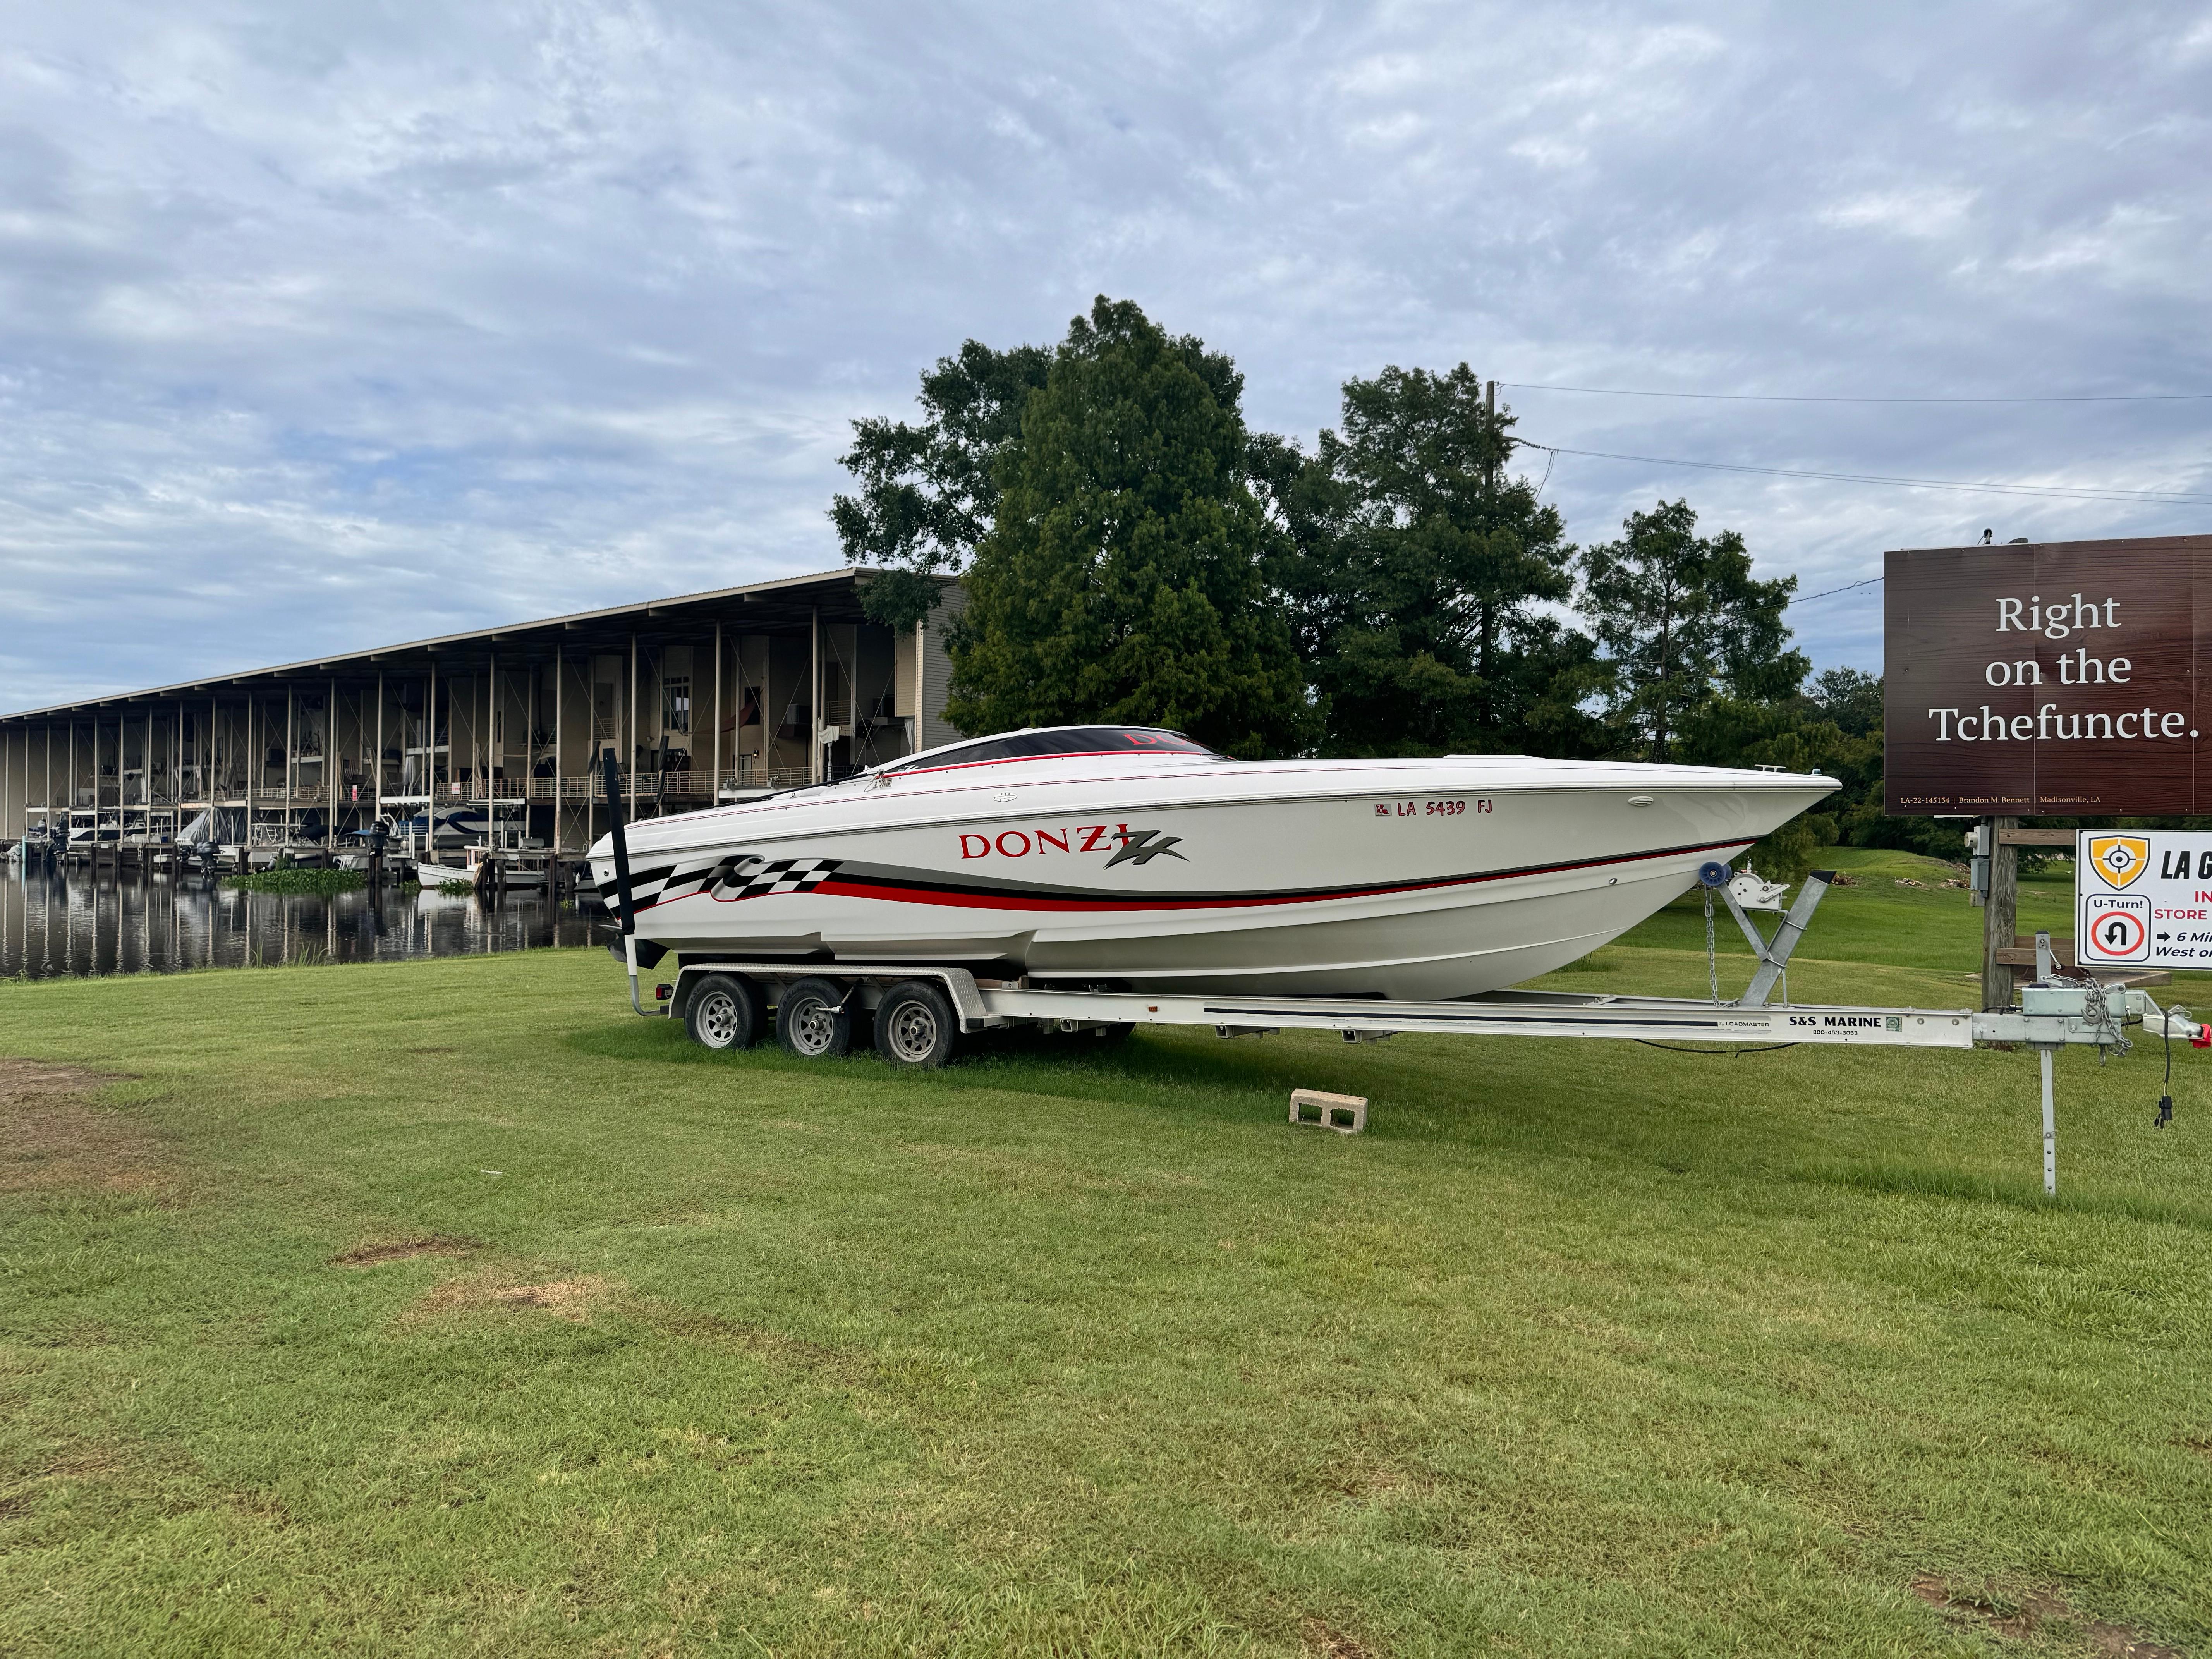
(2000, 915)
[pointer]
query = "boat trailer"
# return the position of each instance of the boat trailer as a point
(921, 1009)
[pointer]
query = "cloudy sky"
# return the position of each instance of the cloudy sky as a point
(322, 327)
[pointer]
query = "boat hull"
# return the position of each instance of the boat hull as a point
(1423, 879)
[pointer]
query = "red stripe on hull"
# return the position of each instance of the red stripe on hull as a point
(987, 900)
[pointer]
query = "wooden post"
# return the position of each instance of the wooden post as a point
(631, 758)
(814, 696)
(2000, 917)
(714, 778)
(331, 769)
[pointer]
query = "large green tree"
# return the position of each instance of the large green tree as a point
(1426, 580)
(1685, 627)
(928, 489)
(1121, 577)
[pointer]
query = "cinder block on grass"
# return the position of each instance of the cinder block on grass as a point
(1319, 1110)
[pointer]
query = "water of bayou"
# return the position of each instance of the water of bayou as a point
(54, 923)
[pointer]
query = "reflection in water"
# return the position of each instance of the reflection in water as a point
(131, 922)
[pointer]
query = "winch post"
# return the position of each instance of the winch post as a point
(1774, 955)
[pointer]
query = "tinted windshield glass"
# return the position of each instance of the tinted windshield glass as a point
(1075, 740)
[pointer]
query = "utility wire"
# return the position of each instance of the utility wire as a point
(1776, 397)
(1807, 599)
(2048, 492)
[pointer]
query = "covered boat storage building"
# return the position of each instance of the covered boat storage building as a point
(700, 697)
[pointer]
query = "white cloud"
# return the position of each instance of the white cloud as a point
(304, 311)
(1550, 152)
(1906, 210)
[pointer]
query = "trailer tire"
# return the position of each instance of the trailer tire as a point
(813, 1020)
(916, 1026)
(725, 1011)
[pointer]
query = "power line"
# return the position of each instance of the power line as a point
(1776, 397)
(2048, 492)
(1807, 599)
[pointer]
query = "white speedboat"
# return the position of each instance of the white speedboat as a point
(469, 867)
(1126, 857)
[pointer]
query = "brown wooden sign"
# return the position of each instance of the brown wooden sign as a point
(2058, 679)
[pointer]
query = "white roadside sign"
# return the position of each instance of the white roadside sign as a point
(2142, 899)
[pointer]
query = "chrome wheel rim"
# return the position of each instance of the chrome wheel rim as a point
(914, 1032)
(718, 1020)
(811, 1025)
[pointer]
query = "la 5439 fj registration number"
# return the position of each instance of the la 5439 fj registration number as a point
(1432, 809)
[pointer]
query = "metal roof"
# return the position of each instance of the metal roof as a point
(771, 607)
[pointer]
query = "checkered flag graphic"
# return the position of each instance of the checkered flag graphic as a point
(756, 877)
(741, 876)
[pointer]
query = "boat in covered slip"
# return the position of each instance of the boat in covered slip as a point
(468, 867)
(1127, 857)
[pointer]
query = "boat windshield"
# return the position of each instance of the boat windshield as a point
(1067, 741)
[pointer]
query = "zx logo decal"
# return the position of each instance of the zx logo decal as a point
(1141, 846)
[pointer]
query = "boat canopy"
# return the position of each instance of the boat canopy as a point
(1065, 741)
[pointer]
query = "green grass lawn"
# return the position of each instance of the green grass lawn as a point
(445, 1308)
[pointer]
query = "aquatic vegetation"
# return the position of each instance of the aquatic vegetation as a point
(292, 881)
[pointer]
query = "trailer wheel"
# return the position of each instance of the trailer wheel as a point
(914, 1025)
(725, 1011)
(813, 1020)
